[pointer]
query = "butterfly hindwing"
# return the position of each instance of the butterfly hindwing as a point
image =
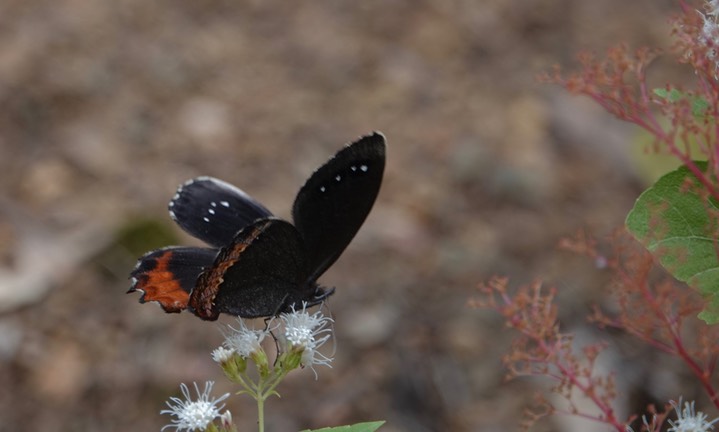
(336, 199)
(262, 272)
(168, 275)
(214, 211)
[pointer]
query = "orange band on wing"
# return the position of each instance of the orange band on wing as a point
(160, 284)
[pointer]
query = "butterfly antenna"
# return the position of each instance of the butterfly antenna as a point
(268, 321)
(269, 329)
(326, 305)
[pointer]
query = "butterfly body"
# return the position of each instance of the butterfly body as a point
(260, 265)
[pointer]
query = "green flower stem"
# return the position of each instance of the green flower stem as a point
(261, 414)
(263, 390)
(240, 379)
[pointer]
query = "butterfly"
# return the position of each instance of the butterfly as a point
(259, 265)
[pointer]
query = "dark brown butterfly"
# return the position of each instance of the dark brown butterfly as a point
(259, 265)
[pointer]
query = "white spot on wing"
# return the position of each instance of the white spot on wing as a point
(322, 189)
(206, 219)
(338, 177)
(225, 204)
(210, 211)
(363, 168)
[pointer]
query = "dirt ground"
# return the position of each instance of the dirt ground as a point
(105, 107)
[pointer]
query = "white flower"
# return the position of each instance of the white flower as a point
(244, 341)
(712, 7)
(647, 425)
(226, 419)
(193, 415)
(307, 333)
(688, 420)
(710, 30)
(222, 354)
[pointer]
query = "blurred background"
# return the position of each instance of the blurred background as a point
(107, 106)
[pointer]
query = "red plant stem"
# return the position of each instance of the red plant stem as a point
(698, 371)
(567, 372)
(668, 140)
(672, 327)
(644, 118)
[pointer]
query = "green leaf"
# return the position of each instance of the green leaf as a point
(661, 92)
(359, 427)
(674, 222)
(699, 106)
(672, 95)
(698, 103)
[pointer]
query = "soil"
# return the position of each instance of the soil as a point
(108, 106)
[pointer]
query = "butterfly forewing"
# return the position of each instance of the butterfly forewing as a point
(335, 201)
(214, 211)
(261, 273)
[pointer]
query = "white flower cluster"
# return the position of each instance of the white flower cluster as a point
(306, 332)
(689, 420)
(710, 30)
(243, 341)
(302, 334)
(194, 415)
